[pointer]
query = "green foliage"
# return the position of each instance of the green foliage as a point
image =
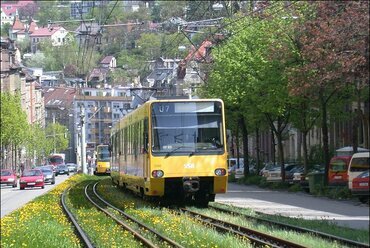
(55, 134)
(48, 10)
(13, 121)
(4, 31)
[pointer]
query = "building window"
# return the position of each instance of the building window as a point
(59, 40)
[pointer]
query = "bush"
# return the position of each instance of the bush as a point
(295, 188)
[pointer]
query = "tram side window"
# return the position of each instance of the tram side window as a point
(145, 136)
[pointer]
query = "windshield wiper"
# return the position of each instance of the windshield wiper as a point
(175, 149)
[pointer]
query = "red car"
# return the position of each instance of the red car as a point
(360, 186)
(31, 178)
(9, 178)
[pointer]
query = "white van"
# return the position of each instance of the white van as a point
(359, 163)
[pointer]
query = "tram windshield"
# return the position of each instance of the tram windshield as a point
(187, 128)
(103, 154)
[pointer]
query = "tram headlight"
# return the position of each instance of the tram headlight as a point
(157, 173)
(220, 172)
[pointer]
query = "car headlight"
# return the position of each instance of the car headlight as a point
(10, 179)
(39, 180)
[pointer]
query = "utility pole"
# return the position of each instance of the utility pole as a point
(83, 141)
(54, 132)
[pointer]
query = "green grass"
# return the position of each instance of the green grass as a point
(185, 230)
(42, 222)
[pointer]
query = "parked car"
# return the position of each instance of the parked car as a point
(360, 186)
(338, 170)
(62, 169)
(268, 166)
(31, 178)
(359, 163)
(292, 175)
(9, 178)
(72, 167)
(275, 174)
(233, 164)
(49, 175)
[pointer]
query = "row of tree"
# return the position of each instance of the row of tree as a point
(18, 135)
(294, 65)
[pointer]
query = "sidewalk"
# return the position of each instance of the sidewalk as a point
(345, 213)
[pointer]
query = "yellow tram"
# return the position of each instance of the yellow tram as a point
(174, 149)
(102, 160)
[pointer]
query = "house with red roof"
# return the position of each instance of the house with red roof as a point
(10, 10)
(57, 35)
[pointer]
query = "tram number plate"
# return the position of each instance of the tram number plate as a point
(189, 166)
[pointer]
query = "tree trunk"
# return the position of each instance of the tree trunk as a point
(245, 145)
(258, 162)
(273, 147)
(325, 137)
(305, 151)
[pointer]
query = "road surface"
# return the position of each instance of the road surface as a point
(14, 198)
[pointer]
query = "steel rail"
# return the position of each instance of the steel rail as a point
(81, 233)
(323, 235)
(256, 237)
(159, 235)
(137, 235)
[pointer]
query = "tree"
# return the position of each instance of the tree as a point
(246, 74)
(28, 11)
(13, 123)
(5, 30)
(334, 49)
(57, 138)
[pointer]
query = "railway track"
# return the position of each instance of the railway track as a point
(137, 234)
(284, 226)
(80, 232)
(255, 237)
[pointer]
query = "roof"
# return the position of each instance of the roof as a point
(96, 72)
(107, 60)
(11, 8)
(160, 73)
(33, 26)
(93, 28)
(59, 96)
(200, 53)
(17, 24)
(45, 31)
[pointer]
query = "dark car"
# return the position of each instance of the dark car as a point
(62, 169)
(49, 175)
(289, 174)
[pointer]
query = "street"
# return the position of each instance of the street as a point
(350, 213)
(14, 198)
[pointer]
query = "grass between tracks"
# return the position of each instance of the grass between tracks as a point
(42, 222)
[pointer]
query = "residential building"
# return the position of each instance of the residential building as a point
(16, 79)
(108, 62)
(103, 108)
(85, 33)
(81, 8)
(57, 36)
(10, 10)
(59, 108)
